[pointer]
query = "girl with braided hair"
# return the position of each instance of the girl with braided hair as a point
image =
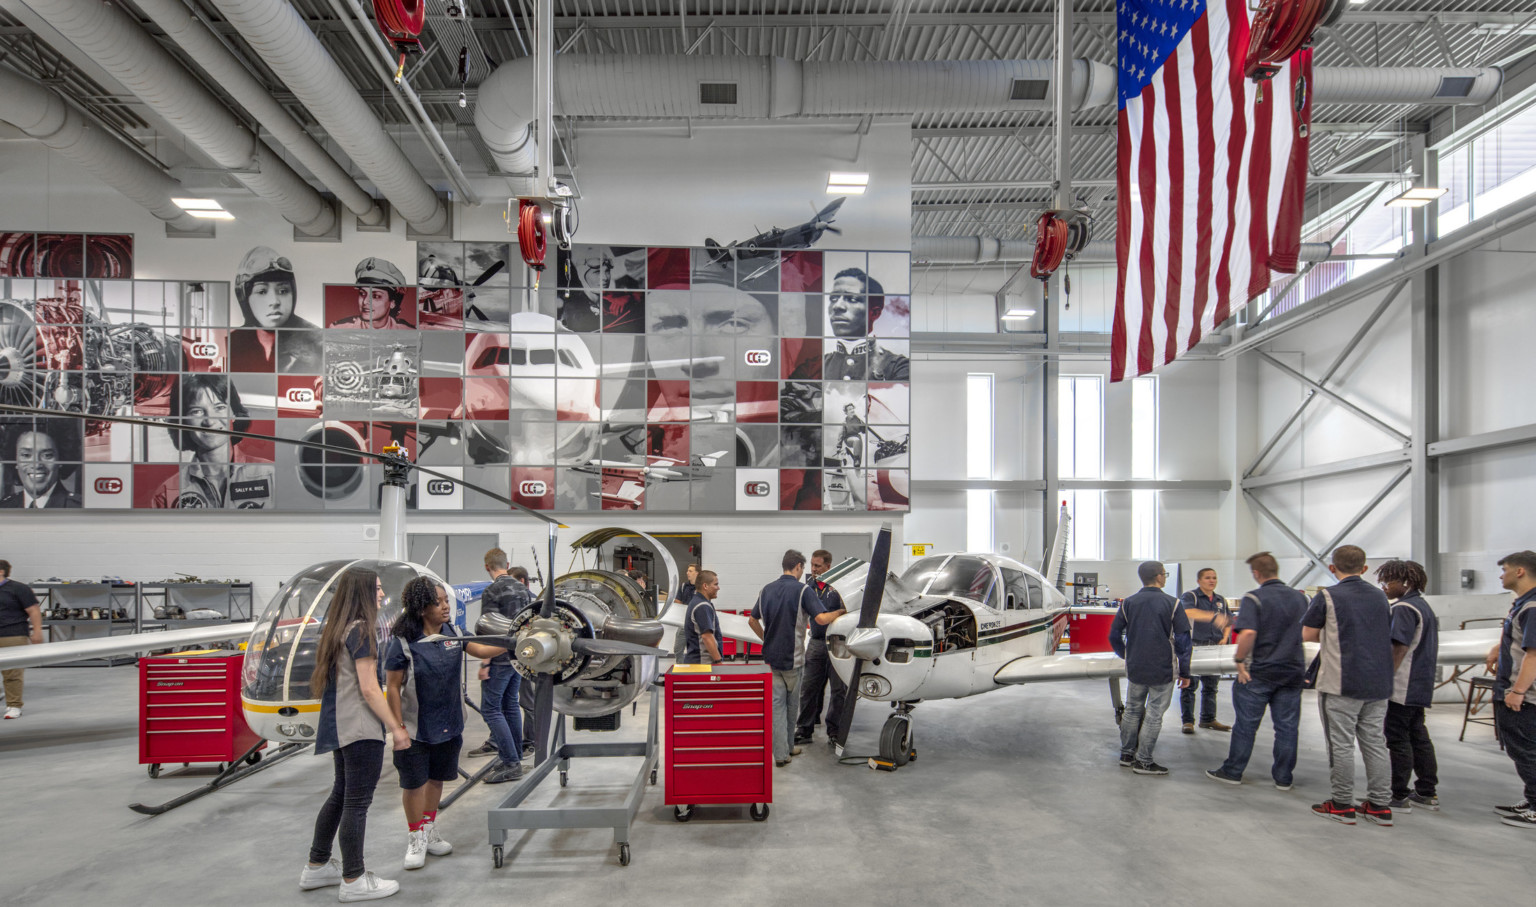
(426, 698)
(1415, 645)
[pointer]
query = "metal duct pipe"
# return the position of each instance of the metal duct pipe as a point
(1405, 85)
(971, 250)
(43, 114)
(120, 46)
(627, 85)
(275, 30)
(208, 52)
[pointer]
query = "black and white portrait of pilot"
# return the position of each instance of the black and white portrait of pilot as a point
(219, 472)
(855, 351)
(41, 463)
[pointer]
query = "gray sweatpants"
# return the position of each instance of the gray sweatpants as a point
(1346, 721)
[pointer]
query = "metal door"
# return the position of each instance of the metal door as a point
(848, 544)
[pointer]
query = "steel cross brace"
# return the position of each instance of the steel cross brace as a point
(1312, 555)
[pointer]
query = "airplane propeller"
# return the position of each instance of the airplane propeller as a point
(833, 230)
(866, 642)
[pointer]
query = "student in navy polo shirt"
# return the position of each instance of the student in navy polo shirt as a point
(818, 664)
(779, 619)
(1415, 646)
(426, 698)
(1209, 632)
(1513, 662)
(701, 625)
(684, 597)
(1151, 632)
(1353, 622)
(1270, 669)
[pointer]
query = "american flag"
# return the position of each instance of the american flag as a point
(1212, 170)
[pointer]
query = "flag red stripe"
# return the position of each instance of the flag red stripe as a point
(1286, 249)
(1147, 180)
(1117, 354)
(1258, 189)
(1232, 65)
(1206, 149)
(1173, 292)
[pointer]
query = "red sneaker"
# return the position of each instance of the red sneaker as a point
(1336, 812)
(1381, 815)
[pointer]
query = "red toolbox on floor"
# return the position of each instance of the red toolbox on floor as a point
(189, 710)
(719, 737)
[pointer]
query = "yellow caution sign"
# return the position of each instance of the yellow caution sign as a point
(920, 549)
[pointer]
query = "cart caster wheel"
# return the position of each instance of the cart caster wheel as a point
(496, 856)
(223, 767)
(253, 758)
(623, 854)
(154, 770)
(564, 778)
(758, 811)
(682, 813)
(653, 776)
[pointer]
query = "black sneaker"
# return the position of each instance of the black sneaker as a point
(803, 739)
(484, 749)
(1370, 812)
(1430, 802)
(1511, 810)
(1523, 818)
(1148, 768)
(1336, 811)
(505, 773)
(1401, 804)
(1127, 760)
(1216, 775)
(528, 750)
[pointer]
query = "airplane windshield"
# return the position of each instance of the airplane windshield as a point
(956, 577)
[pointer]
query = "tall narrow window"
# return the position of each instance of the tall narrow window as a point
(1080, 430)
(980, 433)
(1144, 419)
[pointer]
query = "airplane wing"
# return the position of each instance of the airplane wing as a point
(732, 625)
(127, 644)
(1457, 647)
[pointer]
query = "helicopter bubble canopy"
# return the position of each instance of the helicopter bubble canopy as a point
(280, 658)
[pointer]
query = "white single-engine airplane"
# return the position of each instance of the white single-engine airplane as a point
(956, 625)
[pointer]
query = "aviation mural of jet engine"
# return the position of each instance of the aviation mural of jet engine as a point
(753, 376)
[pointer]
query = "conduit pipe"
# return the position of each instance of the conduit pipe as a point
(116, 42)
(44, 115)
(217, 61)
(274, 29)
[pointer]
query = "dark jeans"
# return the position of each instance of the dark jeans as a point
(1412, 752)
(1517, 731)
(502, 711)
(1249, 701)
(1207, 684)
(818, 671)
(357, 774)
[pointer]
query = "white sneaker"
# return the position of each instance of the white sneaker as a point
(320, 876)
(367, 887)
(415, 849)
(436, 846)
(13, 712)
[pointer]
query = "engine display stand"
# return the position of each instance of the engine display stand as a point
(511, 814)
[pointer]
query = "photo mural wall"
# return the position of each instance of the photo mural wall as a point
(720, 378)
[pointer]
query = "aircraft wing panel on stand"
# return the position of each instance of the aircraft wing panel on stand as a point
(127, 644)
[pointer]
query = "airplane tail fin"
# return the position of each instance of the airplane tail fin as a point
(1055, 568)
(718, 254)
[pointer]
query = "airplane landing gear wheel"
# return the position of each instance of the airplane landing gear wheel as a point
(623, 854)
(896, 740)
(154, 769)
(496, 856)
(682, 813)
(758, 812)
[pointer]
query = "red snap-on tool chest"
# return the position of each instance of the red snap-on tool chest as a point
(1088, 630)
(189, 710)
(719, 746)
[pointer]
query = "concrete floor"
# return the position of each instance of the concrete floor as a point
(1015, 796)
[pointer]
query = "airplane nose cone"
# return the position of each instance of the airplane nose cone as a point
(868, 643)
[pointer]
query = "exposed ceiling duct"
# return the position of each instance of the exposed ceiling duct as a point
(43, 114)
(620, 85)
(214, 58)
(972, 250)
(1405, 85)
(276, 31)
(116, 42)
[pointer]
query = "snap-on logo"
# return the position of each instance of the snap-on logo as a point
(532, 488)
(756, 489)
(109, 485)
(209, 351)
(690, 705)
(439, 486)
(759, 357)
(300, 395)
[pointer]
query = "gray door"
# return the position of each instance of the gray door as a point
(848, 544)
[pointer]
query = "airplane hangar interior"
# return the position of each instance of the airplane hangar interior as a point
(767, 451)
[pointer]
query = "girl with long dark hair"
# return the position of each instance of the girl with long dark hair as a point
(425, 697)
(353, 716)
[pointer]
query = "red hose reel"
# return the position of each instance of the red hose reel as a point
(530, 233)
(1058, 237)
(401, 22)
(1283, 27)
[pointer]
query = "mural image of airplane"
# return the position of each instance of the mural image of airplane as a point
(801, 236)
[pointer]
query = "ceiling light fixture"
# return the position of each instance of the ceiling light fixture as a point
(1417, 196)
(198, 204)
(847, 183)
(220, 214)
(1018, 314)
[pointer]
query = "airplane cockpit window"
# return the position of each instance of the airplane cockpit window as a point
(923, 571)
(541, 356)
(568, 359)
(1037, 594)
(965, 577)
(515, 357)
(1020, 597)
